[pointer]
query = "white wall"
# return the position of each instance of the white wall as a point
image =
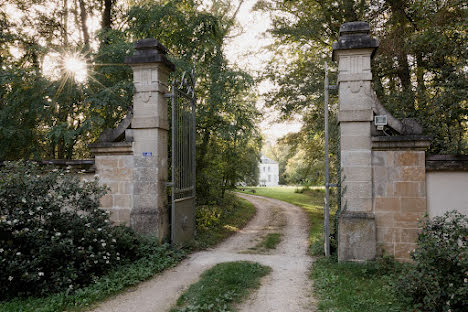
(269, 174)
(446, 191)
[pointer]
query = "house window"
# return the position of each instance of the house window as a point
(269, 178)
(263, 169)
(269, 168)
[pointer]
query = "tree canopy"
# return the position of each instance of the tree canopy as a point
(419, 71)
(47, 112)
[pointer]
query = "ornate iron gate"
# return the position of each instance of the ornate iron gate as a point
(183, 159)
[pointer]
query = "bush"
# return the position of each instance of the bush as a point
(53, 236)
(438, 280)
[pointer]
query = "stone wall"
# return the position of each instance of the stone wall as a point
(399, 192)
(116, 171)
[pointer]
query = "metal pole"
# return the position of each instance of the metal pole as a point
(173, 159)
(326, 217)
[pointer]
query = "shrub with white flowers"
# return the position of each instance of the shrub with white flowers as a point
(438, 280)
(53, 236)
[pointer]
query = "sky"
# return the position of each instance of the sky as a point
(248, 51)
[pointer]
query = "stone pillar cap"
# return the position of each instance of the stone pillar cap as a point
(355, 35)
(149, 51)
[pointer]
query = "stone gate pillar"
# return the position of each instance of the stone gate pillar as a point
(132, 158)
(149, 132)
(357, 230)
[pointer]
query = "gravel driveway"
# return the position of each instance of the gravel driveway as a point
(286, 288)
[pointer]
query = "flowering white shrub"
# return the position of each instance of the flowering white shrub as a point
(53, 236)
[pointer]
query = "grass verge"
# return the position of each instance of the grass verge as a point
(117, 280)
(216, 223)
(356, 287)
(222, 287)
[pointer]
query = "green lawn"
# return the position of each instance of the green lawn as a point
(311, 200)
(341, 287)
(222, 287)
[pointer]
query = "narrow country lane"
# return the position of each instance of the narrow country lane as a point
(286, 288)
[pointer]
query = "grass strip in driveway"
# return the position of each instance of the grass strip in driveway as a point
(222, 287)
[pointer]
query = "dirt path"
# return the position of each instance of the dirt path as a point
(286, 288)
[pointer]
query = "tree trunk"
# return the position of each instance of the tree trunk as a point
(106, 22)
(84, 27)
(65, 23)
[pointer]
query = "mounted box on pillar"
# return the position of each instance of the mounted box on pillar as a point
(356, 230)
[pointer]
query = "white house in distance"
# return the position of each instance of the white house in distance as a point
(269, 172)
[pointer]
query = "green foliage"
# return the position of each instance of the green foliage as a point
(216, 222)
(155, 258)
(419, 69)
(438, 279)
(357, 287)
(221, 287)
(43, 116)
(53, 234)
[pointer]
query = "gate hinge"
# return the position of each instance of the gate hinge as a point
(170, 184)
(167, 95)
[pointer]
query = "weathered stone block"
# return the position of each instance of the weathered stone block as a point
(126, 162)
(413, 205)
(408, 189)
(384, 218)
(407, 219)
(407, 235)
(106, 201)
(355, 142)
(356, 204)
(122, 174)
(409, 158)
(387, 204)
(355, 158)
(356, 174)
(107, 162)
(355, 129)
(123, 201)
(386, 235)
(357, 189)
(412, 174)
(357, 237)
(126, 188)
(383, 158)
(124, 216)
(141, 188)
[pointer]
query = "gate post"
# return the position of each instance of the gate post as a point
(149, 130)
(356, 230)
